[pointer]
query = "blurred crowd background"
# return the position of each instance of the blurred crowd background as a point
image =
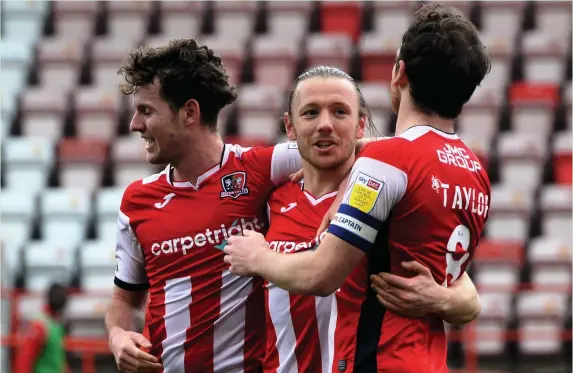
(67, 153)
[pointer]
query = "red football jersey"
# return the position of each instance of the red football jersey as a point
(170, 238)
(297, 325)
(420, 196)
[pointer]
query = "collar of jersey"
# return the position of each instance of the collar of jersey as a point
(421, 129)
(204, 176)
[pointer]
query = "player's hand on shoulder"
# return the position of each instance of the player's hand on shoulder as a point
(241, 252)
(125, 346)
(297, 176)
(417, 296)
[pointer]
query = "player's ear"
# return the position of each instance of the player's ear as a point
(289, 127)
(361, 127)
(190, 112)
(400, 78)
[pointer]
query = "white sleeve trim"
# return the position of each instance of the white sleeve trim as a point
(129, 254)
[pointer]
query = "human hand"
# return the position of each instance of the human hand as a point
(417, 296)
(297, 176)
(129, 358)
(241, 252)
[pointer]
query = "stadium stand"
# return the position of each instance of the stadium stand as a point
(67, 153)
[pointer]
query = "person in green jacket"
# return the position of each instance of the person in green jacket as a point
(41, 348)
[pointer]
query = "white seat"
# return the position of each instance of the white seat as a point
(288, 19)
(107, 204)
(86, 313)
(47, 262)
(275, 60)
(544, 56)
(43, 112)
(392, 17)
(27, 163)
(501, 276)
(230, 50)
(377, 97)
(491, 324)
(18, 210)
(65, 214)
(258, 109)
(521, 154)
(28, 306)
(181, 18)
(23, 20)
(128, 15)
(235, 19)
(97, 263)
(510, 212)
(126, 173)
(329, 49)
(97, 111)
(541, 315)
(502, 18)
(553, 17)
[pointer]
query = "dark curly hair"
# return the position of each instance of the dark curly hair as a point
(185, 71)
(445, 60)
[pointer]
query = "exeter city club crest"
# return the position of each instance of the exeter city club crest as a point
(234, 184)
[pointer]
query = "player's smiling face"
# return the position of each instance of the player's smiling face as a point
(325, 121)
(158, 125)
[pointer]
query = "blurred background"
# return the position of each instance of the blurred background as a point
(67, 153)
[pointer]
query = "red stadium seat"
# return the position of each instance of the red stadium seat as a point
(81, 162)
(562, 158)
(341, 17)
(532, 107)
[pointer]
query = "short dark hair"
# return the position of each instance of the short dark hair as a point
(57, 297)
(445, 60)
(332, 72)
(185, 71)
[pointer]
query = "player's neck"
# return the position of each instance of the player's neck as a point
(409, 117)
(320, 182)
(202, 155)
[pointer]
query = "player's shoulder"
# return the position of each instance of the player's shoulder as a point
(145, 188)
(285, 192)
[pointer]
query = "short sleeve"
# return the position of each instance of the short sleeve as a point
(273, 164)
(374, 188)
(130, 273)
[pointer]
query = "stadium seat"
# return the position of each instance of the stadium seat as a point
(81, 163)
(553, 17)
(64, 214)
(86, 314)
(181, 18)
(275, 61)
(501, 48)
(502, 17)
(128, 15)
(550, 260)
(107, 203)
(562, 156)
(75, 19)
(288, 19)
(491, 325)
(497, 264)
(46, 262)
(378, 53)
(43, 112)
(392, 18)
(532, 106)
(341, 17)
(541, 315)
(521, 158)
(544, 56)
(59, 62)
(510, 213)
(107, 54)
(28, 162)
(23, 20)
(481, 114)
(330, 49)
(97, 111)
(260, 109)
(231, 51)
(28, 306)
(97, 265)
(128, 154)
(235, 20)
(18, 212)
(377, 97)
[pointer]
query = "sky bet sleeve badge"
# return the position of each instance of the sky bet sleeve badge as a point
(234, 184)
(365, 192)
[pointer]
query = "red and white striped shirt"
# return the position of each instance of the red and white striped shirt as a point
(201, 318)
(297, 325)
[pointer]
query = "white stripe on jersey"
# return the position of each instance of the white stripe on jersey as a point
(323, 309)
(177, 321)
(279, 309)
(229, 333)
(331, 333)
